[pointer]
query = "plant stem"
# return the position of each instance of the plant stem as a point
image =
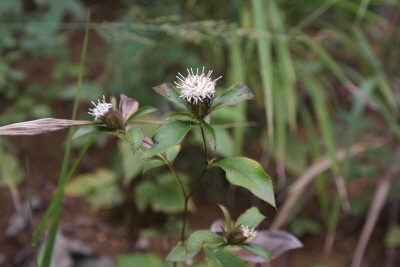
(187, 197)
(174, 172)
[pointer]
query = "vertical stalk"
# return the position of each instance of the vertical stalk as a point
(187, 197)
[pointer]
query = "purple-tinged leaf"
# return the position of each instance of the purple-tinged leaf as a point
(168, 91)
(127, 106)
(276, 242)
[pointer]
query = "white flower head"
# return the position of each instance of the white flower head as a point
(246, 232)
(100, 109)
(196, 86)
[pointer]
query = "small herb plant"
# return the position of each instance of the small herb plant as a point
(195, 95)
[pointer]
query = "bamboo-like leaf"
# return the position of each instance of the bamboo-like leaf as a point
(41, 126)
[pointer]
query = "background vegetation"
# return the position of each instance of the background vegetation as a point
(324, 123)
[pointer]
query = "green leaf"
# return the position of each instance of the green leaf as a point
(249, 174)
(223, 258)
(250, 218)
(179, 253)
(169, 92)
(201, 237)
(258, 250)
(85, 130)
(227, 217)
(140, 112)
(168, 136)
(131, 260)
(172, 153)
(178, 114)
(210, 135)
(154, 163)
(131, 166)
(232, 96)
(135, 137)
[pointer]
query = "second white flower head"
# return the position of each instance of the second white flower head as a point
(100, 109)
(196, 86)
(246, 232)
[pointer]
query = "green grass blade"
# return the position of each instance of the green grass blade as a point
(265, 60)
(367, 52)
(51, 236)
(286, 74)
(314, 146)
(57, 207)
(361, 10)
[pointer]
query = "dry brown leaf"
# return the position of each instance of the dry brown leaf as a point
(41, 126)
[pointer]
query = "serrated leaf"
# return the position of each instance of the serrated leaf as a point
(135, 137)
(232, 96)
(140, 112)
(257, 250)
(168, 136)
(250, 218)
(223, 258)
(169, 92)
(249, 174)
(179, 253)
(227, 216)
(210, 136)
(90, 130)
(153, 164)
(201, 237)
